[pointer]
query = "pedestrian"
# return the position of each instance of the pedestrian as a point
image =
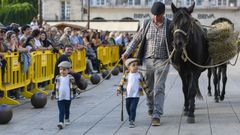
(155, 41)
(134, 88)
(64, 86)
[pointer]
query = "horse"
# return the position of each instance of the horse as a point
(191, 45)
(219, 72)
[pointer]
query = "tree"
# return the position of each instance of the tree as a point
(18, 11)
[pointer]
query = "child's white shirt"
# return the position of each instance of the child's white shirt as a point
(133, 85)
(64, 88)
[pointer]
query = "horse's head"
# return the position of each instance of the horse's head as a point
(181, 25)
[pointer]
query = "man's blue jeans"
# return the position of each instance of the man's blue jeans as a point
(64, 109)
(131, 106)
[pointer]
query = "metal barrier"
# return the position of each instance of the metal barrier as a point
(108, 55)
(14, 78)
(78, 58)
(43, 69)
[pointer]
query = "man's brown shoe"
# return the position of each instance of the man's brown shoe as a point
(155, 122)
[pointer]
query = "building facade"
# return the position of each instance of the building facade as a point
(126, 10)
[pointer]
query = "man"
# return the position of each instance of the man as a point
(26, 32)
(155, 39)
(65, 38)
(66, 57)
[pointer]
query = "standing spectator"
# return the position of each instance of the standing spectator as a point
(155, 39)
(64, 92)
(45, 42)
(33, 42)
(3, 48)
(26, 31)
(13, 46)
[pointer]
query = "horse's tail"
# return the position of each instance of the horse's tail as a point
(199, 95)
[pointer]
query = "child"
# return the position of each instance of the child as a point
(134, 88)
(64, 87)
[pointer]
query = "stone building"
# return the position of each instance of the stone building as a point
(128, 10)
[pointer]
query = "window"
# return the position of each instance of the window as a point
(121, 2)
(148, 2)
(100, 2)
(65, 10)
(137, 2)
(212, 3)
(189, 2)
(130, 2)
(199, 2)
(232, 3)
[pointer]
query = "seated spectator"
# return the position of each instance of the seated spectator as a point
(111, 39)
(54, 38)
(65, 38)
(92, 61)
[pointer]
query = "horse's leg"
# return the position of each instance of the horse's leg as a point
(224, 81)
(209, 81)
(185, 92)
(215, 82)
(193, 89)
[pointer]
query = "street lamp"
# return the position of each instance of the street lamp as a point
(40, 12)
(88, 16)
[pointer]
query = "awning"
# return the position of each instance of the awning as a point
(62, 25)
(105, 26)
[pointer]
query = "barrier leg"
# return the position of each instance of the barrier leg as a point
(86, 76)
(50, 86)
(26, 93)
(6, 100)
(36, 89)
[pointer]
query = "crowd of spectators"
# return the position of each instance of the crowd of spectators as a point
(28, 38)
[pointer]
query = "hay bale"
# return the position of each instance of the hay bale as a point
(222, 42)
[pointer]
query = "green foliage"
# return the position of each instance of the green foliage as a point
(21, 13)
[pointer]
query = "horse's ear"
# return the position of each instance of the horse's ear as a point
(174, 8)
(190, 9)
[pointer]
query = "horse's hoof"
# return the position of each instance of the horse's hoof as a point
(217, 100)
(185, 113)
(210, 94)
(222, 98)
(190, 120)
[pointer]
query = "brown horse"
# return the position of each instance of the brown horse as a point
(188, 36)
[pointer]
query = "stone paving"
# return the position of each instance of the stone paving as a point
(97, 112)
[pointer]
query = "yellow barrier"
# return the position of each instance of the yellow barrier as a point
(108, 55)
(115, 54)
(43, 69)
(78, 58)
(14, 78)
